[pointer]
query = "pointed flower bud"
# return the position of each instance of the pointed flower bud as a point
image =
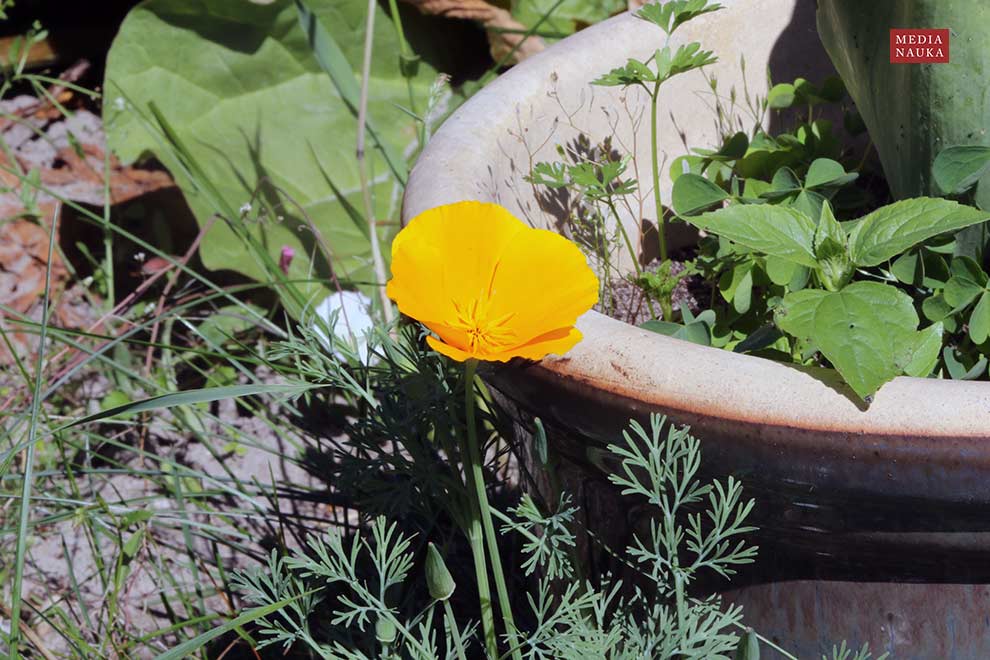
(438, 578)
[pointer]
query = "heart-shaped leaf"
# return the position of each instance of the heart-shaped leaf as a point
(867, 331)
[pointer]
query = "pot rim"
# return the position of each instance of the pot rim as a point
(650, 369)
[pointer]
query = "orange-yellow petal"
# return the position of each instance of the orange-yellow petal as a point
(488, 285)
(545, 280)
(448, 254)
(452, 352)
(555, 342)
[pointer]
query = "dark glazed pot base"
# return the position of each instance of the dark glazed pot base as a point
(907, 574)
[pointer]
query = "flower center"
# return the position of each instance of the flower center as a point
(484, 334)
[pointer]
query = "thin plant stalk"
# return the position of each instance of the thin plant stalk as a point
(28, 479)
(654, 154)
(406, 64)
(108, 234)
(474, 456)
(477, 543)
(369, 211)
(454, 632)
(629, 246)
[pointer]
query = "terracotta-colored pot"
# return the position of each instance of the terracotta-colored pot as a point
(875, 523)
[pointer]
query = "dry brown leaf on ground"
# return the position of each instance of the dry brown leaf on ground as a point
(504, 32)
(23, 265)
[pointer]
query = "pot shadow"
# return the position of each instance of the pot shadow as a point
(799, 53)
(573, 218)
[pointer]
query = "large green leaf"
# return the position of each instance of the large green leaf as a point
(895, 228)
(559, 18)
(868, 331)
(239, 85)
(957, 168)
(693, 193)
(773, 230)
(796, 313)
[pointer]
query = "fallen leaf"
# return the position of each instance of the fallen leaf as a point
(504, 32)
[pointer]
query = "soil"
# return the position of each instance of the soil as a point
(630, 304)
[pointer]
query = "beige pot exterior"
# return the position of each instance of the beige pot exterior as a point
(486, 148)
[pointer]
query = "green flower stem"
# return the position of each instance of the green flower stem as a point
(475, 538)
(473, 530)
(476, 541)
(454, 632)
(478, 479)
(654, 130)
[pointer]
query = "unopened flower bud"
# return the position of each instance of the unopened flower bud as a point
(438, 579)
(385, 631)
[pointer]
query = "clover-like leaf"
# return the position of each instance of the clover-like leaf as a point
(696, 332)
(781, 96)
(668, 16)
(736, 286)
(979, 320)
(960, 370)
(692, 194)
(967, 281)
(825, 172)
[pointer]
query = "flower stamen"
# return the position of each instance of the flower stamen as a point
(483, 333)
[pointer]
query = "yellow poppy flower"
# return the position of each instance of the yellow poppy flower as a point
(490, 287)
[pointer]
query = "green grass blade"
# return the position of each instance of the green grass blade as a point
(187, 648)
(22, 526)
(332, 60)
(188, 397)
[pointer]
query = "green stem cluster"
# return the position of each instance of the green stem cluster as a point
(482, 514)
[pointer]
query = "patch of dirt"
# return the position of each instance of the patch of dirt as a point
(289, 500)
(630, 304)
(52, 156)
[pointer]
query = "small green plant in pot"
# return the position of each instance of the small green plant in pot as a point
(808, 267)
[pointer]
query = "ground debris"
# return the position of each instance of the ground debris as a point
(51, 155)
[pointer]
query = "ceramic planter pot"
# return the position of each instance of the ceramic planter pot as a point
(875, 523)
